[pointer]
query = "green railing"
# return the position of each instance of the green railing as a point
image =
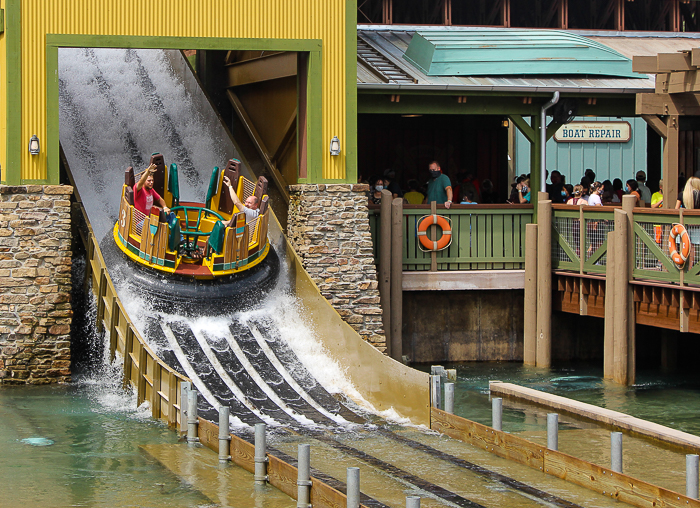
(484, 237)
(581, 233)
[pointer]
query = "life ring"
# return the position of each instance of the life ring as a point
(434, 245)
(678, 258)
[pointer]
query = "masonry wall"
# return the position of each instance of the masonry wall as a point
(35, 284)
(329, 228)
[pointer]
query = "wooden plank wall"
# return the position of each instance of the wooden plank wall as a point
(580, 472)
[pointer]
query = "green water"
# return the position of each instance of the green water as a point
(95, 458)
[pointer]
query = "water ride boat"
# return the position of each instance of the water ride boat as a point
(200, 254)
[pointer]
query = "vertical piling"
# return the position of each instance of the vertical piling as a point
(435, 389)
(185, 387)
(628, 207)
(553, 431)
(691, 475)
(192, 420)
(396, 278)
(450, 398)
(620, 326)
(303, 477)
(260, 453)
(224, 435)
(544, 281)
(384, 240)
(616, 451)
(530, 307)
(609, 324)
(353, 491)
(412, 501)
(497, 413)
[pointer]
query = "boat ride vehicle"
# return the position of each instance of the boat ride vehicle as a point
(199, 254)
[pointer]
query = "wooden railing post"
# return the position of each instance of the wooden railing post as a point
(101, 291)
(609, 333)
(114, 322)
(530, 306)
(544, 281)
(396, 278)
(628, 203)
(620, 297)
(128, 345)
(384, 240)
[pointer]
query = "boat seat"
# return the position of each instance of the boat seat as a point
(232, 171)
(213, 184)
(129, 179)
(159, 175)
(175, 234)
(260, 187)
(129, 195)
(174, 185)
(263, 205)
(216, 239)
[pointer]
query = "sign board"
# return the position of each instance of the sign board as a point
(594, 132)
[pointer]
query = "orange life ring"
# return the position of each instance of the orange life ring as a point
(678, 258)
(434, 245)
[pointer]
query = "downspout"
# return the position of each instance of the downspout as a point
(543, 141)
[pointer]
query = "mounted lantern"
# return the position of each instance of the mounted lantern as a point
(34, 147)
(335, 146)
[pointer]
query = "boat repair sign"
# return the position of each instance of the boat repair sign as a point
(594, 132)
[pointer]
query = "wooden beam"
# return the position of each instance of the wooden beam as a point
(661, 84)
(666, 104)
(681, 82)
(644, 64)
(289, 131)
(695, 57)
(552, 128)
(523, 127)
(657, 124)
(259, 144)
(265, 68)
(673, 62)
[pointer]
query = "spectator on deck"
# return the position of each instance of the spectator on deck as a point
(524, 194)
(657, 199)
(608, 193)
(631, 189)
(391, 184)
(554, 189)
(576, 196)
(594, 199)
(642, 189)
(468, 198)
(439, 186)
(488, 194)
(567, 191)
(375, 197)
(586, 184)
(413, 196)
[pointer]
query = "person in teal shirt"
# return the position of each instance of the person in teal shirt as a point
(439, 186)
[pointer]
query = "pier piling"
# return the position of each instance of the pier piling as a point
(260, 453)
(303, 479)
(224, 435)
(353, 492)
(497, 413)
(691, 475)
(192, 421)
(184, 391)
(616, 451)
(435, 395)
(450, 398)
(553, 431)
(412, 502)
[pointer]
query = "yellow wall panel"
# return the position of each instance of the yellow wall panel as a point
(268, 19)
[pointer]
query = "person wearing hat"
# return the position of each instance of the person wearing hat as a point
(391, 185)
(644, 192)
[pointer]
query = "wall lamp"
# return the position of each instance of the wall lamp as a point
(335, 146)
(34, 147)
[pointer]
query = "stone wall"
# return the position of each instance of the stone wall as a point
(35, 284)
(329, 229)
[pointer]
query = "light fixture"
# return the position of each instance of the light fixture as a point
(411, 116)
(505, 122)
(34, 147)
(335, 146)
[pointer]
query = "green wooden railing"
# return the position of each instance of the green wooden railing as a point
(484, 237)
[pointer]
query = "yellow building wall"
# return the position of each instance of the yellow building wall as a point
(3, 101)
(273, 19)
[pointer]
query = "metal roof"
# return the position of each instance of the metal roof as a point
(513, 52)
(391, 42)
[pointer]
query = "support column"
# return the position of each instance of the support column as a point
(384, 241)
(628, 206)
(396, 278)
(535, 165)
(544, 281)
(530, 306)
(608, 341)
(670, 161)
(620, 329)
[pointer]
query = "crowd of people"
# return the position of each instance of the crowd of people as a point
(468, 190)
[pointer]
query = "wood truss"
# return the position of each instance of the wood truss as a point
(656, 15)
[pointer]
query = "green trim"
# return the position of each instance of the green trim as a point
(13, 82)
(561, 241)
(2, 21)
(640, 233)
(351, 91)
(54, 41)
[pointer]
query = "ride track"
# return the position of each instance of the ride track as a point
(248, 366)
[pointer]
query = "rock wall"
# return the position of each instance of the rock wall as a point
(329, 228)
(35, 284)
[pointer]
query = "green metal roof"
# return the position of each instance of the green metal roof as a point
(513, 52)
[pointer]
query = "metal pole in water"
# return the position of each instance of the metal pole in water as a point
(497, 413)
(260, 453)
(192, 420)
(353, 487)
(450, 398)
(412, 501)
(616, 451)
(184, 390)
(435, 395)
(224, 435)
(691, 475)
(303, 480)
(553, 431)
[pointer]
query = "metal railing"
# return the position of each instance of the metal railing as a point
(484, 237)
(581, 233)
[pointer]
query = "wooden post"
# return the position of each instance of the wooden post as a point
(432, 233)
(535, 166)
(128, 344)
(101, 291)
(396, 278)
(620, 327)
(113, 337)
(544, 281)
(530, 307)
(670, 161)
(608, 341)
(172, 399)
(628, 207)
(384, 240)
(582, 295)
